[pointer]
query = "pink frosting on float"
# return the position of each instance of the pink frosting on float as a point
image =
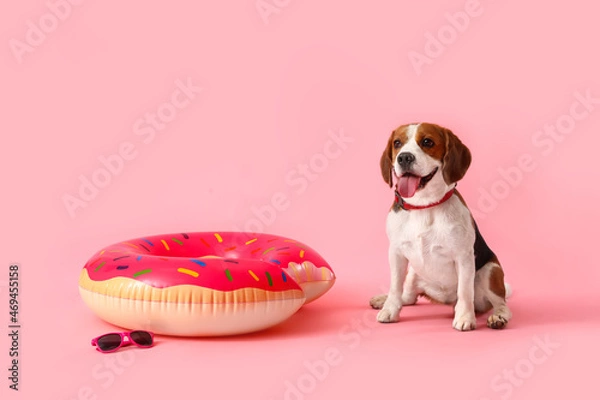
(222, 261)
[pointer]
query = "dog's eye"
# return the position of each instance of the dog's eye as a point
(397, 144)
(427, 143)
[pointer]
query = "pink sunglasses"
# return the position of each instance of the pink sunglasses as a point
(113, 341)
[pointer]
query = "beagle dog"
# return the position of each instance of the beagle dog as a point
(435, 247)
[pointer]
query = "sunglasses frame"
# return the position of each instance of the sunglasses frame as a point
(123, 335)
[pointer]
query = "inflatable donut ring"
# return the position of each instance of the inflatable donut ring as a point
(203, 284)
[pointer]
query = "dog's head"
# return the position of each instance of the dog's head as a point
(426, 159)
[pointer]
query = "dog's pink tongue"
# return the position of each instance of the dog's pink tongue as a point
(407, 185)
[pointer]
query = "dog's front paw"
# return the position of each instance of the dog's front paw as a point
(464, 323)
(378, 301)
(389, 314)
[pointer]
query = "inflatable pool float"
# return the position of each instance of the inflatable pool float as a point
(203, 284)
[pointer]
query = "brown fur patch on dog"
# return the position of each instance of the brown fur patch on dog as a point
(389, 154)
(497, 280)
(433, 133)
(457, 158)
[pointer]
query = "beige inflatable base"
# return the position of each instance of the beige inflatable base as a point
(315, 289)
(187, 310)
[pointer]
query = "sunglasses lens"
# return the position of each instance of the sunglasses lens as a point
(109, 342)
(142, 338)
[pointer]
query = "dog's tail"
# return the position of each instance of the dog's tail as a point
(509, 290)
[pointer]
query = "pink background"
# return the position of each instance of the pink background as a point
(272, 92)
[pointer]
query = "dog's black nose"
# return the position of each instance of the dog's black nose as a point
(405, 159)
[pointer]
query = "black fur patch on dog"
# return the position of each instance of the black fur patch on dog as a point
(483, 254)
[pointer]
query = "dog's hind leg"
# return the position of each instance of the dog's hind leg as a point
(491, 293)
(377, 301)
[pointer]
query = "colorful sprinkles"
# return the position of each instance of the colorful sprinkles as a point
(165, 244)
(142, 272)
(188, 272)
(253, 275)
(179, 242)
(100, 265)
(269, 279)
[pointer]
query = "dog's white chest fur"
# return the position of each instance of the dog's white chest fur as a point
(431, 239)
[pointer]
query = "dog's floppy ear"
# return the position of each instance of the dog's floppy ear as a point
(457, 158)
(386, 162)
